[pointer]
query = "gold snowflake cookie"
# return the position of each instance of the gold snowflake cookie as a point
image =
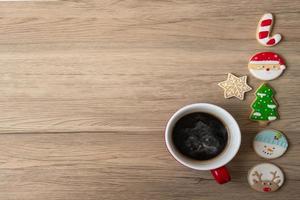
(235, 86)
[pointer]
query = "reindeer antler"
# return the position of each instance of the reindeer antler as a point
(258, 175)
(275, 177)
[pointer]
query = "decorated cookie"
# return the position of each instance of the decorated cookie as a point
(265, 177)
(235, 86)
(270, 144)
(266, 66)
(264, 107)
(264, 29)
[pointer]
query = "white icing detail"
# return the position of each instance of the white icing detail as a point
(267, 16)
(264, 28)
(264, 62)
(266, 75)
(261, 95)
(256, 114)
(282, 67)
(272, 106)
(271, 118)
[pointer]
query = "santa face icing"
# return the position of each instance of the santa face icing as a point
(270, 144)
(266, 65)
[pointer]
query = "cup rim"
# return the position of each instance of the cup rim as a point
(233, 143)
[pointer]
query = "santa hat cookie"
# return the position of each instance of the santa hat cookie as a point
(266, 65)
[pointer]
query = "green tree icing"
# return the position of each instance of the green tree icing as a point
(264, 107)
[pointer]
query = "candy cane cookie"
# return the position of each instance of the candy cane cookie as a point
(264, 29)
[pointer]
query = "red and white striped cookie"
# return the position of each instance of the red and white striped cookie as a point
(264, 29)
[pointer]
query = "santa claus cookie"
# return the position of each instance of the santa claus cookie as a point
(270, 144)
(265, 177)
(266, 65)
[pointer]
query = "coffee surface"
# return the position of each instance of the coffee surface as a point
(200, 136)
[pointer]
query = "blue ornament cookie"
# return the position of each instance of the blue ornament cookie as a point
(270, 144)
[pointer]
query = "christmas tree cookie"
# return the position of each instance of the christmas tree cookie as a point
(264, 107)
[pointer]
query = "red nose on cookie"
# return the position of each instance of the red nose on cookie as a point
(267, 189)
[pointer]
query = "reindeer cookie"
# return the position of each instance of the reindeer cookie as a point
(265, 177)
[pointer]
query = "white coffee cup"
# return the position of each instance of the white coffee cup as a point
(217, 164)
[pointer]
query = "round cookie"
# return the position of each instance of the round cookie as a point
(270, 144)
(265, 177)
(266, 66)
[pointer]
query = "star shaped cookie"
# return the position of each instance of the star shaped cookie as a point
(235, 86)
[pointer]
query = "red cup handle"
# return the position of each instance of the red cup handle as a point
(221, 175)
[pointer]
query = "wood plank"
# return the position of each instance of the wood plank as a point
(119, 165)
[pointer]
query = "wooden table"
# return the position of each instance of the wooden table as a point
(87, 87)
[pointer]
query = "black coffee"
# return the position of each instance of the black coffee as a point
(200, 136)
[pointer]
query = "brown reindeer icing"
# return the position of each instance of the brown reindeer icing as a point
(265, 177)
(266, 185)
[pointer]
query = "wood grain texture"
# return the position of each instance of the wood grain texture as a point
(87, 87)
